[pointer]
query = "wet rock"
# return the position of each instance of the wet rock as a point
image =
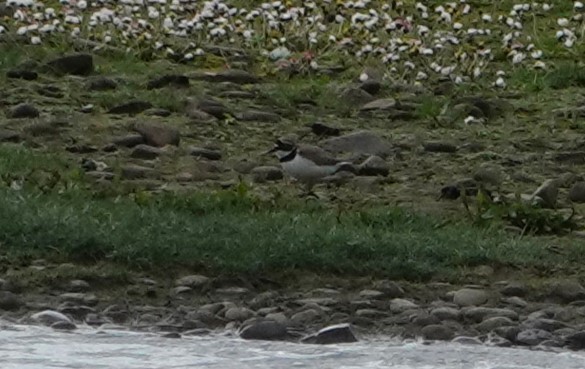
(63, 326)
(258, 116)
(548, 192)
(567, 290)
(577, 192)
(371, 86)
(158, 135)
(78, 285)
(132, 171)
(131, 107)
(446, 313)
(205, 153)
(498, 341)
(544, 324)
(174, 335)
(27, 75)
(478, 314)
(321, 129)
(9, 301)
(361, 142)
(266, 173)
(470, 297)
(341, 333)
(515, 301)
(374, 166)
(80, 298)
(439, 146)
(193, 281)
(508, 332)
(128, 140)
(146, 152)
(575, 341)
(378, 105)
(75, 64)
(514, 289)
(464, 340)
(23, 111)
(101, 83)
(174, 80)
(229, 75)
(495, 322)
(533, 337)
(437, 332)
(305, 317)
(400, 305)
(238, 314)
(9, 136)
(371, 294)
(266, 330)
(48, 317)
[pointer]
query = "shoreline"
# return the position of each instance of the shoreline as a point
(544, 314)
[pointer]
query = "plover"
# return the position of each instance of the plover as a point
(307, 163)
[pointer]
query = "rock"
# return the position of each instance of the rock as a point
(146, 152)
(229, 75)
(63, 326)
(266, 173)
(354, 97)
(237, 94)
(515, 301)
(238, 314)
(128, 140)
(548, 192)
(340, 333)
(575, 341)
(533, 337)
(27, 75)
(463, 340)
(514, 289)
(278, 317)
(158, 135)
(23, 110)
(478, 314)
(7, 135)
(305, 317)
(175, 80)
(174, 335)
(212, 107)
(79, 298)
(258, 116)
(390, 288)
(81, 148)
(321, 129)
(400, 305)
(101, 83)
(508, 332)
(488, 174)
(374, 166)
(439, 146)
(371, 86)
(52, 127)
(266, 330)
(48, 317)
(371, 294)
(78, 285)
(380, 104)
(577, 192)
(132, 171)
(131, 107)
(437, 332)
(199, 115)
(495, 322)
(544, 324)
(9, 301)
(154, 112)
(446, 313)
(361, 142)
(567, 290)
(193, 281)
(75, 64)
(470, 297)
(570, 157)
(205, 153)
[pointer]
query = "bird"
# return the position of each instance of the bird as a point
(308, 164)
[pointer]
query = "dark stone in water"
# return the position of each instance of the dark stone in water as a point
(264, 330)
(341, 333)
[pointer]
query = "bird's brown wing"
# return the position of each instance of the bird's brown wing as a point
(317, 155)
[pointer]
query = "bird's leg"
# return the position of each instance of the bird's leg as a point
(309, 191)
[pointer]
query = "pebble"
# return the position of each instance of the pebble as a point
(470, 297)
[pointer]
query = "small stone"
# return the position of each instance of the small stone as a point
(9, 301)
(470, 297)
(390, 288)
(488, 174)
(79, 298)
(567, 290)
(158, 135)
(577, 192)
(23, 111)
(128, 140)
(266, 173)
(174, 335)
(193, 281)
(544, 324)
(439, 146)
(548, 192)
(258, 116)
(463, 340)
(101, 83)
(533, 337)
(10, 136)
(199, 115)
(181, 290)
(146, 152)
(380, 104)
(371, 86)
(131, 107)
(576, 341)
(515, 301)
(446, 313)
(371, 294)
(212, 107)
(238, 314)
(78, 285)
(341, 333)
(76, 64)
(495, 322)
(27, 75)
(264, 330)
(355, 97)
(400, 305)
(154, 112)
(205, 153)
(175, 80)
(437, 332)
(321, 129)
(132, 171)
(361, 142)
(229, 75)
(48, 317)
(374, 166)
(478, 314)
(63, 326)
(514, 289)
(305, 317)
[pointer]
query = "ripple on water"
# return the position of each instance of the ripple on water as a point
(42, 348)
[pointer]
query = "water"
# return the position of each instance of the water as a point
(42, 348)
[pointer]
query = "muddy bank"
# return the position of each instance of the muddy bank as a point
(544, 314)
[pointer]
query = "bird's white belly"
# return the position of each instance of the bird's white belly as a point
(305, 170)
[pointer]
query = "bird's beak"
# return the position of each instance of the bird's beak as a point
(270, 151)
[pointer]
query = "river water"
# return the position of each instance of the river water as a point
(30, 347)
